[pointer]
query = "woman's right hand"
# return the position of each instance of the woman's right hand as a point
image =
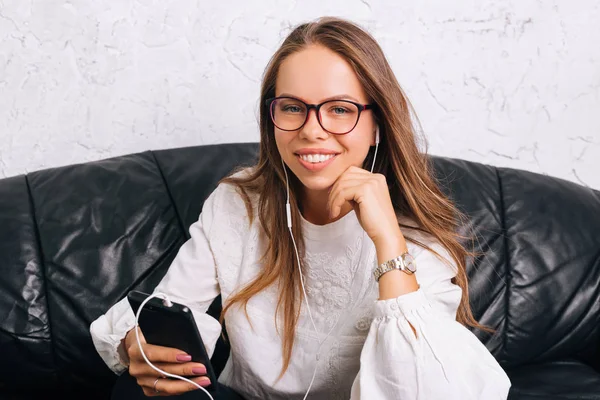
(168, 359)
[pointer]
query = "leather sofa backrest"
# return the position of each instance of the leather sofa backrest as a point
(539, 281)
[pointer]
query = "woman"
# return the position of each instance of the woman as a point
(335, 122)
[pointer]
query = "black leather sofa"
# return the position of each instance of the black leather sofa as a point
(74, 240)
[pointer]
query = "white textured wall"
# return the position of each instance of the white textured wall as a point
(509, 83)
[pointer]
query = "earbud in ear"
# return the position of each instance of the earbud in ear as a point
(377, 135)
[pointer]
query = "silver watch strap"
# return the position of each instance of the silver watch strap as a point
(405, 263)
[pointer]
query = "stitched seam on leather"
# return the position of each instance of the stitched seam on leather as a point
(162, 175)
(38, 239)
(507, 262)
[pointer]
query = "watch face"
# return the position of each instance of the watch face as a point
(409, 263)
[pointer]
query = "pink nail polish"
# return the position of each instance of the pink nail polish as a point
(199, 371)
(204, 382)
(184, 357)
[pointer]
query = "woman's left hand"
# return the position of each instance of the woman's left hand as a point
(369, 195)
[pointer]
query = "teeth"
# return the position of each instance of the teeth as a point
(316, 158)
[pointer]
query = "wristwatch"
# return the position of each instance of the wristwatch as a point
(405, 263)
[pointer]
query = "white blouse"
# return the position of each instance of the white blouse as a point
(371, 353)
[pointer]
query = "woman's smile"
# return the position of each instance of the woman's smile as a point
(315, 159)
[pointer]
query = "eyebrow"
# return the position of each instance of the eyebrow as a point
(336, 97)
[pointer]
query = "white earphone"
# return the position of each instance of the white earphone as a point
(288, 211)
(376, 147)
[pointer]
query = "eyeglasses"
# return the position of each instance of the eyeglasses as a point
(335, 116)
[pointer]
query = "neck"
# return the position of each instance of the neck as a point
(314, 207)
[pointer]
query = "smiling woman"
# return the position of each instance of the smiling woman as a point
(373, 253)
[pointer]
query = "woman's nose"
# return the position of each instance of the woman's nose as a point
(312, 129)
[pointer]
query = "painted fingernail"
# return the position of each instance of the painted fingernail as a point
(199, 370)
(184, 357)
(204, 382)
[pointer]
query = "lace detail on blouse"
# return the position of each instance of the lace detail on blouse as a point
(328, 280)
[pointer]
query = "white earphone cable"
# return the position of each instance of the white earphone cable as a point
(375, 155)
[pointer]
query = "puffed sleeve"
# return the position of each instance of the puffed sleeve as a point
(444, 360)
(190, 280)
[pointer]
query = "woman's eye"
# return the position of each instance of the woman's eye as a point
(339, 110)
(292, 109)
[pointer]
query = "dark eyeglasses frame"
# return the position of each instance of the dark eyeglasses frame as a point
(361, 107)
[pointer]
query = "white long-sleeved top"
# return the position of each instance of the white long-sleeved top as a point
(371, 353)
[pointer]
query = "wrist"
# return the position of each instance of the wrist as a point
(390, 247)
(122, 353)
(126, 341)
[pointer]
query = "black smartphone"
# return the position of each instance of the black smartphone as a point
(172, 326)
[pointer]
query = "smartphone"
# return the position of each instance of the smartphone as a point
(172, 326)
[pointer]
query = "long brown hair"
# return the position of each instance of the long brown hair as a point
(408, 171)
